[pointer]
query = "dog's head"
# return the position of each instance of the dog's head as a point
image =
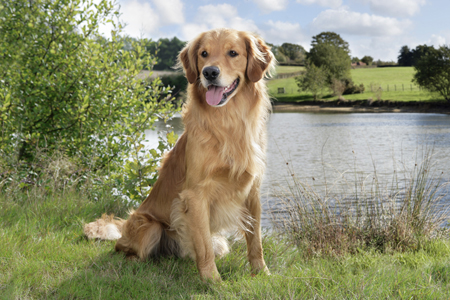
(224, 60)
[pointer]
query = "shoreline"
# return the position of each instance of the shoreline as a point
(362, 107)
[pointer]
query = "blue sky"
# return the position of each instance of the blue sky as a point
(372, 27)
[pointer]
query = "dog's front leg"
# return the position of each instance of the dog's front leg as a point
(196, 216)
(253, 234)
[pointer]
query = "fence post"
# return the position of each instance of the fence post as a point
(388, 88)
(411, 87)
(395, 87)
(403, 87)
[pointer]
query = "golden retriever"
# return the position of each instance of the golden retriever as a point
(210, 181)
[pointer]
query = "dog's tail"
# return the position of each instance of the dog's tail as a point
(106, 228)
(143, 236)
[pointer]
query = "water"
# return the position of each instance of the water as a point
(320, 147)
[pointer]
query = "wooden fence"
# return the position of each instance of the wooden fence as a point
(368, 88)
(287, 75)
(393, 87)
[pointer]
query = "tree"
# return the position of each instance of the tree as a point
(331, 38)
(367, 60)
(314, 80)
(355, 59)
(65, 88)
(293, 52)
(330, 51)
(419, 52)
(167, 52)
(433, 71)
(406, 57)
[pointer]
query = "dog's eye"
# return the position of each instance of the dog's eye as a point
(233, 53)
(204, 54)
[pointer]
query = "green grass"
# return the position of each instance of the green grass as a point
(384, 76)
(43, 254)
(395, 82)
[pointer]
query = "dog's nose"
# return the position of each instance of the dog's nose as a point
(211, 73)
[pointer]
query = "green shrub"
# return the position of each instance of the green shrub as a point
(65, 89)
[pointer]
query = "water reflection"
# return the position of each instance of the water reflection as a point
(329, 150)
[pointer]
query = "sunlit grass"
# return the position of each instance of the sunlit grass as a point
(44, 254)
(288, 69)
(395, 83)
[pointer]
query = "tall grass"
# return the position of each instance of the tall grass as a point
(399, 216)
(44, 255)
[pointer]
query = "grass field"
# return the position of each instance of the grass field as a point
(395, 82)
(288, 69)
(43, 254)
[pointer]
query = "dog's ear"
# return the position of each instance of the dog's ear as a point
(260, 59)
(188, 59)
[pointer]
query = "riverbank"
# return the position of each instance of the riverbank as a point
(359, 106)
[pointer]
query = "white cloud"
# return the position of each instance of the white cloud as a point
(267, 6)
(140, 18)
(348, 22)
(170, 11)
(384, 48)
(396, 8)
(437, 40)
(146, 18)
(217, 16)
(324, 3)
(280, 32)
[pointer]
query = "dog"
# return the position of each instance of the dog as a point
(210, 181)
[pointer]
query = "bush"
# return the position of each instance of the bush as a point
(65, 89)
(351, 88)
(313, 80)
(345, 87)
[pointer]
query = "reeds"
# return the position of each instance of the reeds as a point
(365, 214)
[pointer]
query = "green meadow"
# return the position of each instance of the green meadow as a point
(394, 83)
(44, 255)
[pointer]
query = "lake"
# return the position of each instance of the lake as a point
(329, 150)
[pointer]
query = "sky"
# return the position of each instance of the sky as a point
(378, 28)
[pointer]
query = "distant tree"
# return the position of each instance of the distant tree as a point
(385, 63)
(405, 57)
(420, 51)
(280, 57)
(410, 57)
(294, 53)
(330, 51)
(367, 60)
(433, 71)
(313, 80)
(166, 50)
(332, 38)
(355, 59)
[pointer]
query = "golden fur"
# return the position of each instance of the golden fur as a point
(210, 180)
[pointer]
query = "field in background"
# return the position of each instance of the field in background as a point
(288, 69)
(396, 85)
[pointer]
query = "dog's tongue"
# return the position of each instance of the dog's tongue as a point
(214, 94)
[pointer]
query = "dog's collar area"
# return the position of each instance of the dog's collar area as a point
(218, 95)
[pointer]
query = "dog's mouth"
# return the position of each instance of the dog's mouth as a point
(218, 95)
